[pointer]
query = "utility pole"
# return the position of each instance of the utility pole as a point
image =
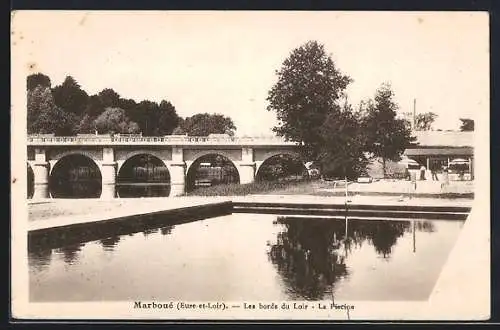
(414, 113)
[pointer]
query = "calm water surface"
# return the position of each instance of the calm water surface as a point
(251, 257)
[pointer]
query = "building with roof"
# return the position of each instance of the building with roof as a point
(436, 149)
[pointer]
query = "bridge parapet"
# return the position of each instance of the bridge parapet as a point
(45, 140)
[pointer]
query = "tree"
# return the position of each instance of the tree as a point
(424, 121)
(127, 104)
(204, 124)
(109, 98)
(342, 150)
(94, 106)
(308, 88)
(86, 125)
(37, 79)
(386, 136)
(44, 117)
(467, 125)
(114, 120)
(178, 131)
(154, 119)
(70, 97)
(167, 119)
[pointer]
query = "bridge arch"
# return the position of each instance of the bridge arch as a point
(93, 155)
(75, 175)
(274, 153)
(269, 157)
(224, 171)
(195, 157)
(123, 157)
(143, 175)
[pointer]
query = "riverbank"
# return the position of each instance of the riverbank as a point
(427, 188)
(61, 222)
(71, 210)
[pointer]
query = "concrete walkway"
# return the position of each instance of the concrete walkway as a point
(403, 186)
(358, 199)
(66, 212)
(63, 212)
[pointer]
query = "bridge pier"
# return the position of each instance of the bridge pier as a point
(246, 167)
(41, 180)
(41, 175)
(247, 172)
(108, 173)
(108, 180)
(177, 178)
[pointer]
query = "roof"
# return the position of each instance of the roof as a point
(444, 138)
(465, 151)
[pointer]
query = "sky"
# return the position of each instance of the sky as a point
(225, 62)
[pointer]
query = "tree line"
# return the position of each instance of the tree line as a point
(311, 105)
(67, 109)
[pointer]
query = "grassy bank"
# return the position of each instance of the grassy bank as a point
(315, 188)
(421, 195)
(281, 187)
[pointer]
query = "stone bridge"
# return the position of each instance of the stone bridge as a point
(177, 153)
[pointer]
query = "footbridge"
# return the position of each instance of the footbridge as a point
(109, 157)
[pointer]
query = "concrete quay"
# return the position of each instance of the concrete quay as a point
(65, 212)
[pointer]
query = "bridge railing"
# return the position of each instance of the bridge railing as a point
(168, 140)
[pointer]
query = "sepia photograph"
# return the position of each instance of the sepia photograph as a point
(236, 165)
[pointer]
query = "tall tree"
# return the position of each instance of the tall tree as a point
(114, 120)
(166, 119)
(37, 79)
(308, 88)
(44, 117)
(109, 98)
(127, 104)
(94, 106)
(70, 96)
(342, 152)
(467, 124)
(386, 136)
(204, 124)
(424, 121)
(144, 115)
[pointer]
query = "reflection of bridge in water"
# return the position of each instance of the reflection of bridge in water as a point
(108, 166)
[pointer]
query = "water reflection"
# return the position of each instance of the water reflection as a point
(311, 253)
(149, 231)
(383, 235)
(425, 226)
(109, 243)
(146, 224)
(307, 257)
(304, 259)
(70, 252)
(39, 259)
(167, 230)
